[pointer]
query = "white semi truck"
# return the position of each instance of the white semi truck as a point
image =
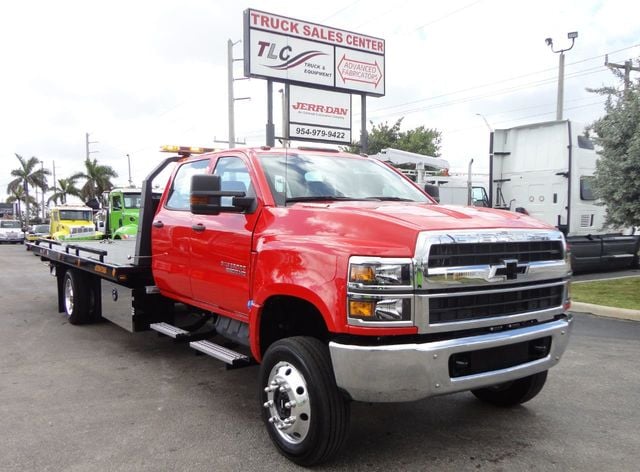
(546, 170)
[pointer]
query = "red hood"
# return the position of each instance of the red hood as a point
(380, 227)
(420, 216)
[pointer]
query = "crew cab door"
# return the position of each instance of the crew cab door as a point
(221, 245)
(171, 234)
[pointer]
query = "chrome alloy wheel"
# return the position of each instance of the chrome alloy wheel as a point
(288, 402)
(68, 295)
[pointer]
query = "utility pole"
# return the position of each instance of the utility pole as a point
(230, 94)
(43, 189)
(627, 66)
(87, 143)
(560, 102)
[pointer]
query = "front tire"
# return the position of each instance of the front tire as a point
(306, 416)
(514, 392)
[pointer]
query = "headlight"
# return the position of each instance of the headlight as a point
(391, 309)
(380, 291)
(379, 272)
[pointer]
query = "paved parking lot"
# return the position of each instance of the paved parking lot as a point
(98, 398)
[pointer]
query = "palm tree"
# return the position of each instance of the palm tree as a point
(98, 179)
(65, 188)
(19, 196)
(28, 175)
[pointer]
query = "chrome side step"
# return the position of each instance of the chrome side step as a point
(168, 330)
(233, 358)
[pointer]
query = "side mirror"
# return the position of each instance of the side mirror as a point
(206, 196)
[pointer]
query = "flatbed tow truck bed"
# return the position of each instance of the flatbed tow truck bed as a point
(138, 309)
(108, 259)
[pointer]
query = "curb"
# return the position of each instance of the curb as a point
(607, 311)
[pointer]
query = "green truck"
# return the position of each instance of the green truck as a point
(120, 219)
(121, 216)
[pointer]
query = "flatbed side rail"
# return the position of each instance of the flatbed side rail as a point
(83, 258)
(101, 253)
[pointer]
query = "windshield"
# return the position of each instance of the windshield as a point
(132, 200)
(41, 229)
(309, 177)
(76, 215)
(9, 224)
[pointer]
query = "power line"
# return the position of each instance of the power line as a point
(340, 11)
(489, 94)
(488, 84)
(448, 15)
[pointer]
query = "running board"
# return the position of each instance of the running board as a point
(168, 330)
(233, 358)
(182, 335)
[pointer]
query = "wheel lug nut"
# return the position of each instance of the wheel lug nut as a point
(290, 404)
(268, 404)
(282, 389)
(272, 419)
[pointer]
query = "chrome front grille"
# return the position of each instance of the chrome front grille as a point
(475, 279)
(452, 307)
(471, 254)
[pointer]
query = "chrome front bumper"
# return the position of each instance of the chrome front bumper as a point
(407, 372)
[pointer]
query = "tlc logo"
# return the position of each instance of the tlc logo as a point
(283, 55)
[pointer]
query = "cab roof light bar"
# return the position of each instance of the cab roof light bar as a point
(185, 151)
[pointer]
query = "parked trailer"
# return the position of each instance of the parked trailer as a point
(545, 170)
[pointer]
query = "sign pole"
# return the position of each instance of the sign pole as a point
(271, 134)
(364, 137)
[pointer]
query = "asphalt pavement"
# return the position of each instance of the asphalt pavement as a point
(97, 398)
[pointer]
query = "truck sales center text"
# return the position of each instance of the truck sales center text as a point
(315, 32)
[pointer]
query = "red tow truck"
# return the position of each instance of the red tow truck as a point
(336, 274)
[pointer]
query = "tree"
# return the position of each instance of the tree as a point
(28, 175)
(98, 179)
(617, 177)
(65, 188)
(420, 140)
(18, 195)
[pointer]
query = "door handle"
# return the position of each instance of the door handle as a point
(199, 227)
(158, 224)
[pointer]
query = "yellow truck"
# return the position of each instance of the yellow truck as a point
(73, 222)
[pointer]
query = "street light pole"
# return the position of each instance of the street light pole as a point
(129, 164)
(560, 101)
(484, 118)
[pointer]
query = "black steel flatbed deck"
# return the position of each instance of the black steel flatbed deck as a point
(109, 259)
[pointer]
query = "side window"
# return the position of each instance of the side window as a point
(179, 194)
(117, 205)
(586, 188)
(234, 177)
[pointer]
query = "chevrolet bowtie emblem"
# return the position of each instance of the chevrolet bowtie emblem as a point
(511, 268)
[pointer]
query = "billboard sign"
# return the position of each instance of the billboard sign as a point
(319, 115)
(299, 52)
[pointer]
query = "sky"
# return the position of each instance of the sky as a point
(139, 74)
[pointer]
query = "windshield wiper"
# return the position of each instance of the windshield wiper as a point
(391, 199)
(321, 198)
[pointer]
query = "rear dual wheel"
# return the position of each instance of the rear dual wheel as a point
(80, 297)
